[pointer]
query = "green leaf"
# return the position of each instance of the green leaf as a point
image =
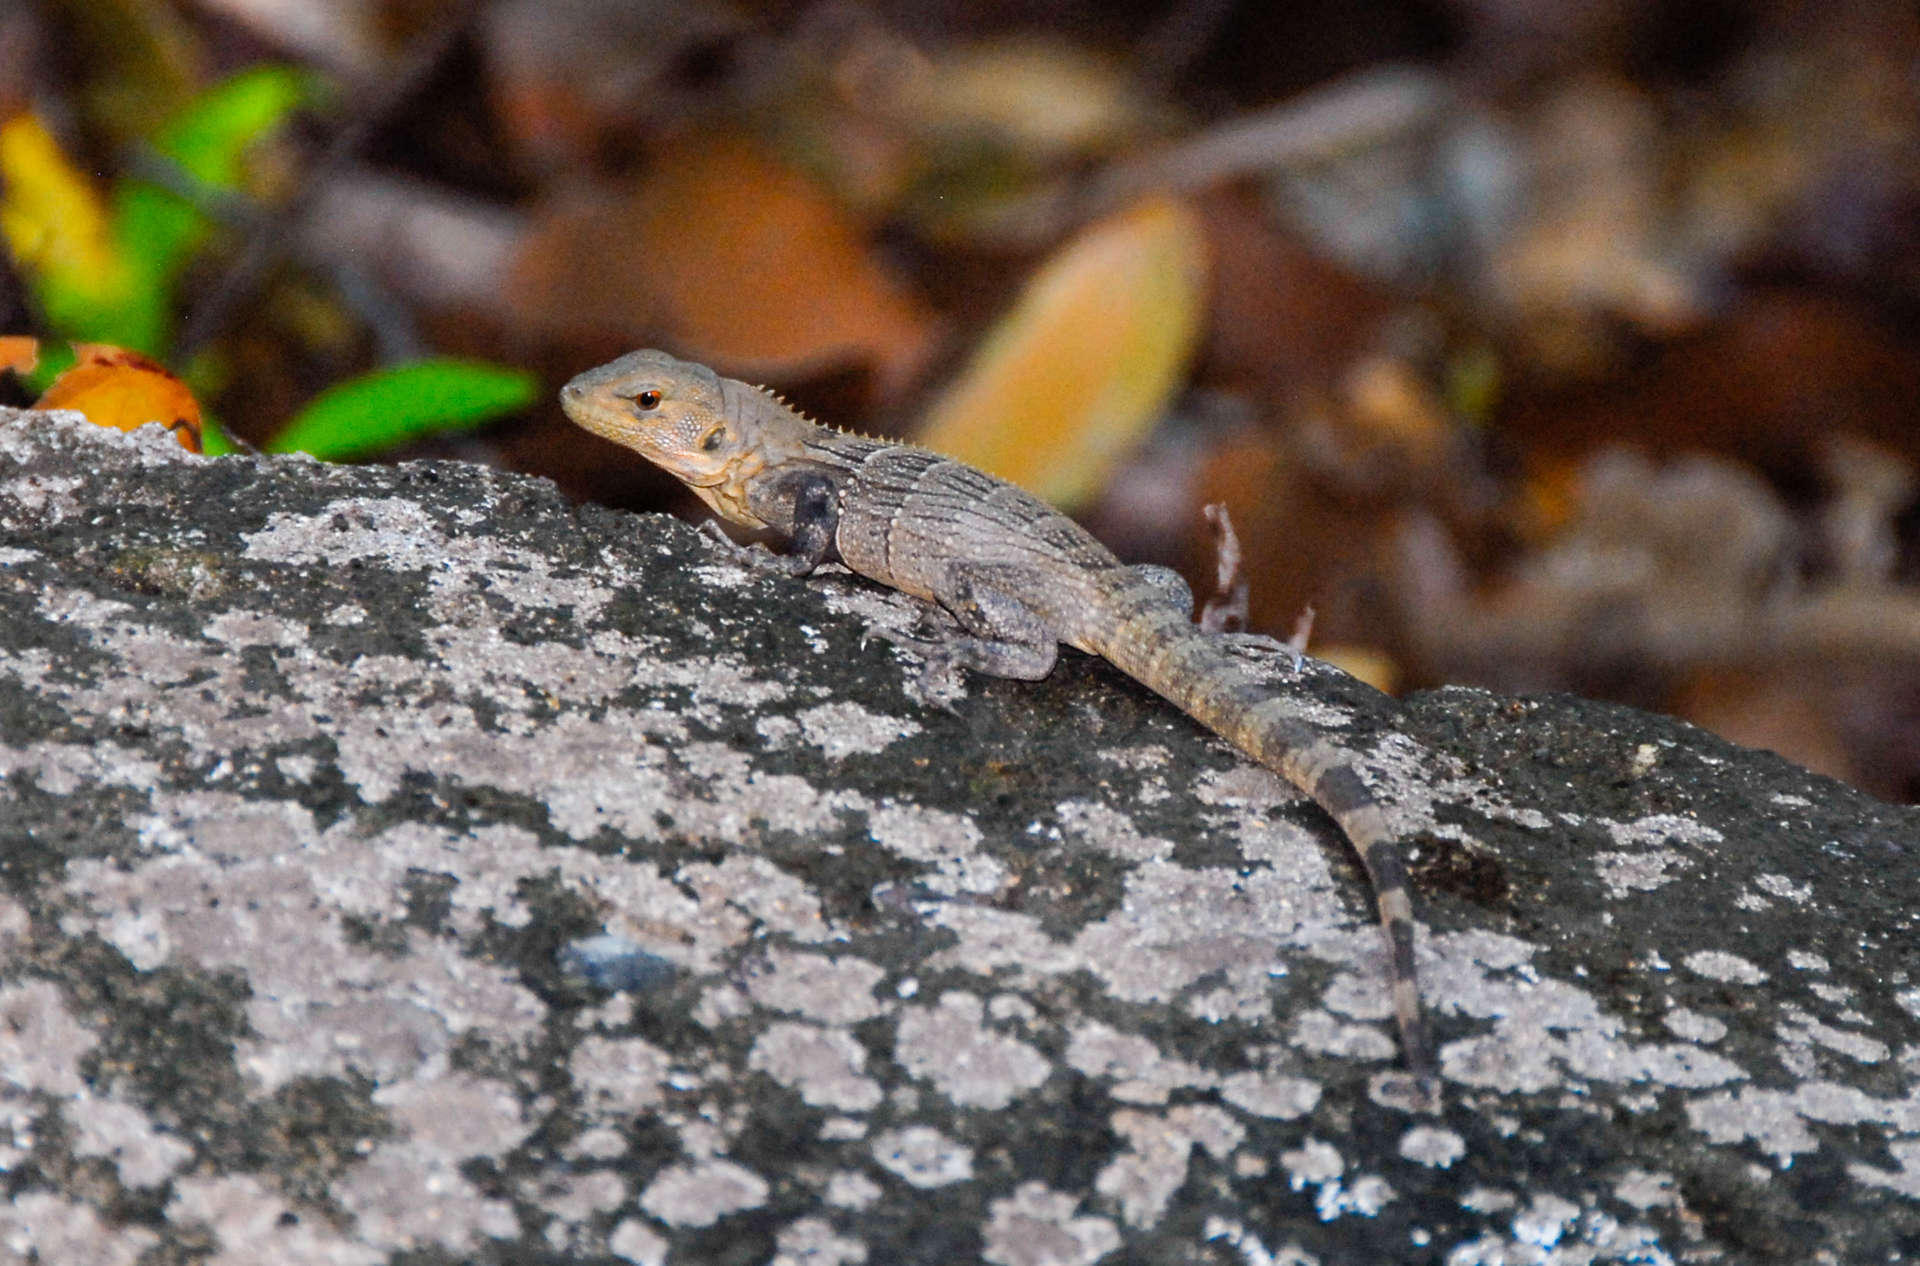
(210, 138)
(56, 358)
(391, 406)
(158, 231)
(214, 440)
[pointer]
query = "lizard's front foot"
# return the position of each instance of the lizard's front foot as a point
(755, 555)
(939, 683)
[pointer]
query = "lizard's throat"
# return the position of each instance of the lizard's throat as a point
(726, 495)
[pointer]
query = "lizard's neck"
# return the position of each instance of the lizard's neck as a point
(777, 442)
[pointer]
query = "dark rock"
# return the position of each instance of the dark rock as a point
(313, 774)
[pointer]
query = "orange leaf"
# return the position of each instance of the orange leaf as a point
(1088, 358)
(19, 353)
(122, 389)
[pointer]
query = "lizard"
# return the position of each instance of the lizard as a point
(1019, 578)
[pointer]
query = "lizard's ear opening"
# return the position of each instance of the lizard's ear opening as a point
(646, 399)
(712, 440)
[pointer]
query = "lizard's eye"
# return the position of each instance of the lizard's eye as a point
(647, 400)
(712, 440)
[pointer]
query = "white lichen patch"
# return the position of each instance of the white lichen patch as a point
(250, 1223)
(1695, 1026)
(1139, 1073)
(1277, 1096)
(1318, 1165)
(1146, 951)
(142, 1153)
(619, 1077)
(253, 886)
(1544, 1029)
(40, 1041)
(813, 1242)
(1313, 1162)
(401, 535)
(1488, 1200)
(1800, 1029)
(832, 990)
(849, 1189)
(54, 1228)
(992, 942)
(1141, 759)
(843, 729)
(1783, 887)
(634, 1241)
(1646, 1190)
(1432, 1146)
(950, 1046)
(1627, 873)
(1720, 965)
(408, 1192)
(1662, 828)
(1038, 1226)
(1780, 1122)
(702, 1194)
(1101, 827)
(950, 842)
(1553, 1231)
(825, 1066)
(1905, 1180)
(61, 769)
(1322, 1033)
(920, 1156)
(779, 902)
(1142, 1180)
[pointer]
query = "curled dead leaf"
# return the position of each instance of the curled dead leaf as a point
(125, 390)
(19, 353)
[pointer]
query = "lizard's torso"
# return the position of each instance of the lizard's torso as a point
(906, 514)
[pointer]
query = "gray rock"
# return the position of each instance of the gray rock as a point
(318, 779)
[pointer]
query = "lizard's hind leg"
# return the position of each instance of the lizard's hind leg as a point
(1168, 582)
(1005, 636)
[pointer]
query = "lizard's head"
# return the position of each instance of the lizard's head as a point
(704, 430)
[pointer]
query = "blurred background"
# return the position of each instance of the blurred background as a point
(1539, 344)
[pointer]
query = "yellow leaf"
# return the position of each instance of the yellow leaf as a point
(50, 214)
(1089, 357)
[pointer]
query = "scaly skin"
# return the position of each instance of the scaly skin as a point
(1019, 577)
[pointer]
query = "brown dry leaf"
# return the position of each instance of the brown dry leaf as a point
(731, 258)
(1088, 358)
(19, 353)
(125, 390)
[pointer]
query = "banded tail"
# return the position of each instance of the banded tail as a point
(1155, 642)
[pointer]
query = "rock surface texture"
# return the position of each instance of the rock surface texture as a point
(403, 866)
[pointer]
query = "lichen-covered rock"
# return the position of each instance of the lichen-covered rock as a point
(401, 864)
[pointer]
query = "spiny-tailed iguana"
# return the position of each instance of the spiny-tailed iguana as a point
(1018, 576)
